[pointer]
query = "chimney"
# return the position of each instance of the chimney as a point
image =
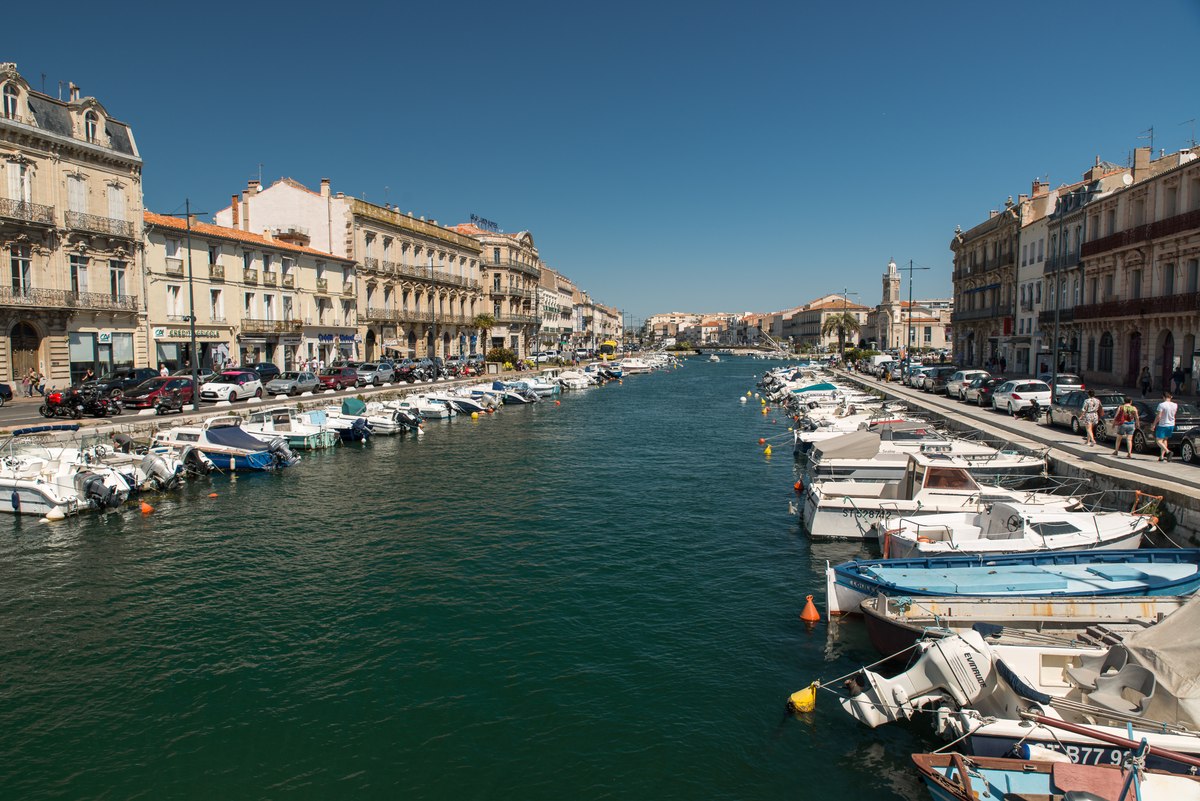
(992, 213)
(1022, 198)
(236, 212)
(246, 212)
(1141, 163)
(252, 186)
(324, 187)
(74, 91)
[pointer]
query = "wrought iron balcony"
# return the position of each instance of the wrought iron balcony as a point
(348, 288)
(513, 264)
(1141, 233)
(435, 276)
(1046, 318)
(288, 281)
(95, 224)
(256, 325)
(322, 285)
(63, 299)
(216, 272)
(26, 212)
(992, 312)
(249, 275)
(517, 319)
(270, 278)
(1166, 304)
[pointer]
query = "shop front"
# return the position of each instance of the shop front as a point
(101, 351)
(173, 347)
(327, 347)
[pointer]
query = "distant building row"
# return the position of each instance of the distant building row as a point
(285, 274)
(1100, 277)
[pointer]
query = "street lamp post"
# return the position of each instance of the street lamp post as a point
(192, 357)
(908, 332)
(846, 293)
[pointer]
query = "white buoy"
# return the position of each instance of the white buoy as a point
(742, 399)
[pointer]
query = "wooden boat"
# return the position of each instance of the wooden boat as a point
(1063, 574)
(895, 623)
(1013, 527)
(954, 777)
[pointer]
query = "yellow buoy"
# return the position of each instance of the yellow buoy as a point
(764, 411)
(804, 700)
(767, 452)
(474, 415)
(762, 401)
(747, 393)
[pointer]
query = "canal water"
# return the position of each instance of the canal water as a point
(588, 601)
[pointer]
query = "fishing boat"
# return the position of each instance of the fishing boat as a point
(932, 483)
(574, 379)
(995, 697)
(1047, 775)
(1062, 574)
(284, 422)
(35, 479)
(895, 623)
(223, 441)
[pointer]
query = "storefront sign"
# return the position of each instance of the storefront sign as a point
(162, 332)
(338, 338)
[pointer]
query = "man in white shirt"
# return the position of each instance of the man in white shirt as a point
(1164, 426)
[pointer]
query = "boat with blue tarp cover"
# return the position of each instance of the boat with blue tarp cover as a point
(229, 446)
(1150, 571)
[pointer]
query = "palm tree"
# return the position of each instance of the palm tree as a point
(484, 321)
(842, 323)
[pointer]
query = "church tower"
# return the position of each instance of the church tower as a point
(890, 316)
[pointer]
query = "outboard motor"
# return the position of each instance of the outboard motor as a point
(282, 453)
(196, 462)
(98, 494)
(955, 669)
(160, 476)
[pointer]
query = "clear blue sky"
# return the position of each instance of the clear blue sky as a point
(667, 156)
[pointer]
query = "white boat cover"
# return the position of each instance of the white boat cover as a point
(855, 445)
(1171, 651)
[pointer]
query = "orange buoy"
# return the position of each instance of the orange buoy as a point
(146, 508)
(810, 613)
(558, 403)
(762, 441)
(212, 494)
(798, 486)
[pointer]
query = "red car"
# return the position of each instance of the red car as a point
(338, 377)
(146, 394)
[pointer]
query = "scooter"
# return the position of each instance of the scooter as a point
(169, 402)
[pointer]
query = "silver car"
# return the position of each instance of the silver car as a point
(293, 383)
(375, 373)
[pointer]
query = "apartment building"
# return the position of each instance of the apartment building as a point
(511, 269)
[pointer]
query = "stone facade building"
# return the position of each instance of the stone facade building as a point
(70, 234)
(985, 278)
(811, 319)
(1140, 263)
(512, 269)
(257, 297)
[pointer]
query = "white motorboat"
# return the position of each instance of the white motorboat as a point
(931, 484)
(223, 441)
(347, 428)
(158, 468)
(423, 406)
(574, 379)
(284, 422)
(994, 696)
(1013, 527)
(634, 365)
(36, 479)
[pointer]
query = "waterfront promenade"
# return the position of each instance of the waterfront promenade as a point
(1179, 483)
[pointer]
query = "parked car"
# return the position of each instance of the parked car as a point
(266, 371)
(1067, 409)
(116, 382)
(937, 379)
(1013, 396)
(1187, 416)
(541, 357)
(338, 377)
(1189, 445)
(582, 353)
(956, 386)
(375, 373)
(293, 383)
(232, 385)
(5, 393)
(146, 394)
(980, 389)
(910, 371)
(1066, 382)
(918, 377)
(203, 375)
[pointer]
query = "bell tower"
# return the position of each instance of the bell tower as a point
(889, 319)
(891, 285)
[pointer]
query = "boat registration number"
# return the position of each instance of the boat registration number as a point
(1087, 754)
(867, 514)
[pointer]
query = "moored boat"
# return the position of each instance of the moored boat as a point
(284, 422)
(223, 440)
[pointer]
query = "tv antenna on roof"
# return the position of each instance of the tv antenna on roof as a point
(1148, 134)
(1192, 135)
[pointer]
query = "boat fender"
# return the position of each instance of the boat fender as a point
(1040, 753)
(923, 538)
(1018, 684)
(16, 502)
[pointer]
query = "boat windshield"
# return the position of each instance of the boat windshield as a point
(955, 478)
(1052, 528)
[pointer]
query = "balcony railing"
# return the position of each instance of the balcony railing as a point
(250, 275)
(435, 276)
(63, 299)
(270, 278)
(376, 314)
(1046, 318)
(1141, 233)
(371, 263)
(348, 288)
(992, 312)
(388, 268)
(216, 272)
(93, 223)
(513, 264)
(517, 319)
(517, 292)
(1165, 304)
(174, 266)
(1061, 261)
(322, 285)
(1027, 305)
(289, 281)
(26, 212)
(255, 325)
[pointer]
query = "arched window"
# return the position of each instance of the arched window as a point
(10, 101)
(90, 123)
(1104, 361)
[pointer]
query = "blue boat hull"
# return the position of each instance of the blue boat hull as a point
(255, 462)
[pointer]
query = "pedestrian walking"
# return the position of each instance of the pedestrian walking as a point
(40, 382)
(1092, 409)
(1144, 380)
(27, 384)
(1164, 426)
(1177, 380)
(1125, 422)
(1003, 365)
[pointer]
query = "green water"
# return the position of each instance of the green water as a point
(586, 601)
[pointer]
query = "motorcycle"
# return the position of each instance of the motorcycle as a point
(98, 404)
(169, 402)
(62, 403)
